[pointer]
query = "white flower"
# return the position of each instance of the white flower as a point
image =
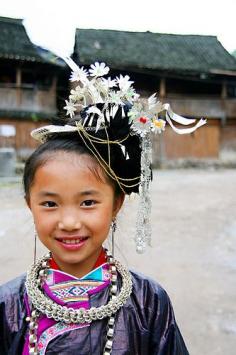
(78, 95)
(131, 95)
(157, 108)
(142, 124)
(109, 83)
(140, 119)
(93, 93)
(101, 87)
(135, 111)
(152, 100)
(98, 69)
(70, 108)
(151, 107)
(115, 98)
(158, 125)
(79, 75)
(124, 82)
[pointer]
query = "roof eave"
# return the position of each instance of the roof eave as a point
(223, 72)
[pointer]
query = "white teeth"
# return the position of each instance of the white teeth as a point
(71, 241)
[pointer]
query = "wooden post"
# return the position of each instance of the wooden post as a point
(54, 84)
(224, 91)
(18, 86)
(18, 77)
(162, 94)
(162, 88)
(223, 102)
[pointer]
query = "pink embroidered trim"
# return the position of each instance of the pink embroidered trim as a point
(51, 333)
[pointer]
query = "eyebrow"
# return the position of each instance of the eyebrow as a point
(89, 192)
(82, 193)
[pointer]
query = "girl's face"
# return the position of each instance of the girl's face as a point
(72, 210)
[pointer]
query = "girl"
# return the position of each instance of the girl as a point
(78, 299)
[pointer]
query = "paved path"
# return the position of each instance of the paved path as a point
(193, 254)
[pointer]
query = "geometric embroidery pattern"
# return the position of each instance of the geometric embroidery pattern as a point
(74, 290)
(71, 290)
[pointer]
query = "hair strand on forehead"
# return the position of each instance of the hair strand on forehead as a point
(55, 146)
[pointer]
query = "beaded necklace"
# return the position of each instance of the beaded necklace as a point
(41, 304)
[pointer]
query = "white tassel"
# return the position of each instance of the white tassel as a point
(123, 149)
(70, 63)
(123, 112)
(200, 123)
(91, 120)
(107, 115)
(85, 120)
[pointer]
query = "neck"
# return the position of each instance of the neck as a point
(83, 267)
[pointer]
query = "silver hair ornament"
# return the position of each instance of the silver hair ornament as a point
(144, 117)
(143, 222)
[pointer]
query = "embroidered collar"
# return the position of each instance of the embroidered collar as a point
(100, 260)
(68, 290)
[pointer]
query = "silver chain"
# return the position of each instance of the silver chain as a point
(43, 304)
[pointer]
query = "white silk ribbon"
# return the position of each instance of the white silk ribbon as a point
(170, 115)
(74, 67)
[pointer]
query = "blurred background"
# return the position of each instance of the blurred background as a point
(186, 52)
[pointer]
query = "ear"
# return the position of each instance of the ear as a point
(27, 200)
(118, 203)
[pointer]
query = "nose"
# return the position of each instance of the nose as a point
(69, 221)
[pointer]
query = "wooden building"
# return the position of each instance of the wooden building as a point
(194, 73)
(28, 82)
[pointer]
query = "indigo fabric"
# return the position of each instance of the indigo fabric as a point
(145, 325)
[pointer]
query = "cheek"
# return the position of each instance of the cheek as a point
(101, 220)
(44, 222)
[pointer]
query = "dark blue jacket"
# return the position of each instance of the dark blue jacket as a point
(144, 326)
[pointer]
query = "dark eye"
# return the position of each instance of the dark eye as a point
(88, 203)
(49, 204)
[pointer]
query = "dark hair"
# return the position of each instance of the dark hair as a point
(118, 129)
(69, 143)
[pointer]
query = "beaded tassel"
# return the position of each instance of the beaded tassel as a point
(32, 320)
(113, 229)
(113, 293)
(143, 225)
(33, 326)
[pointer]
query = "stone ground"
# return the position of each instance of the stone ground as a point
(193, 254)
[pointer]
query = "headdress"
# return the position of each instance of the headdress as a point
(108, 113)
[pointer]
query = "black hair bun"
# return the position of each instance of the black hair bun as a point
(126, 163)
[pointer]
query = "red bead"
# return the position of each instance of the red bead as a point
(143, 119)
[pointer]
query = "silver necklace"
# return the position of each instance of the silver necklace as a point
(43, 304)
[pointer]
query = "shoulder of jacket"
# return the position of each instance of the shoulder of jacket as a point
(148, 287)
(12, 288)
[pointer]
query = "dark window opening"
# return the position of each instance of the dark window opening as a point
(231, 91)
(146, 83)
(30, 79)
(190, 87)
(7, 76)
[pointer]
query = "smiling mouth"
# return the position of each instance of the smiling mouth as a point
(72, 241)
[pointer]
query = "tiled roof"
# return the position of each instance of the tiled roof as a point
(154, 51)
(15, 43)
